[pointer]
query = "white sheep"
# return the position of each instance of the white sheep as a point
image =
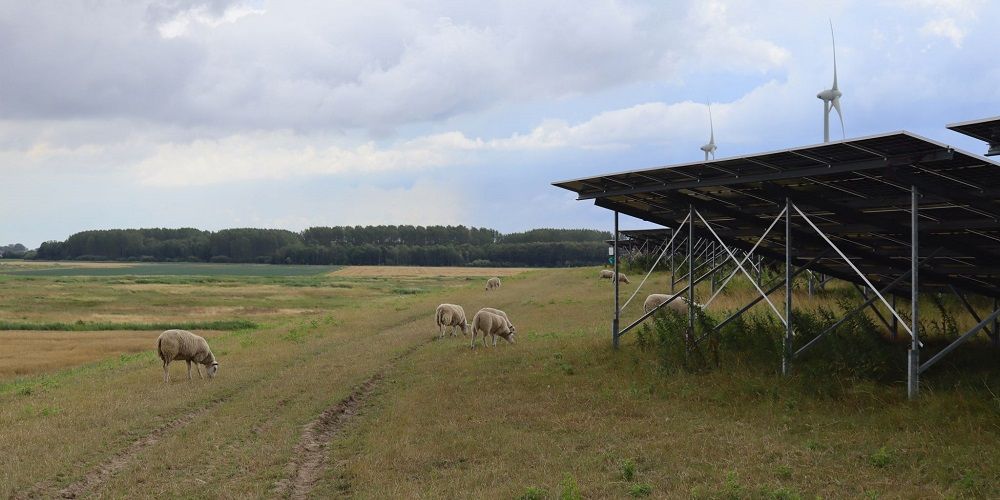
(186, 346)
(503, 315)
(492, 283)
(622, 278)
(679, 304)
(450, 315)
(607, 274)
(490, 324)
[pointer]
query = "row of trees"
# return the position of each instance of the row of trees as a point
(342, 245)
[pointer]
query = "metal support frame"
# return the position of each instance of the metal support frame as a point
(746, 257)
(689, 336)
(679, 294)
(759, 298)
(899, 279)
(951, 347)
(672, 269)
(878, 314)
(655, 263)
(740, 266)
(843, 256)
(710, 251)
(913, 356)
(996, 324)
(894, 328)
(614, 324)
(786, 357)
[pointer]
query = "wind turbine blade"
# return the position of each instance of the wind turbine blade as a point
(834, 40)
(836, 105)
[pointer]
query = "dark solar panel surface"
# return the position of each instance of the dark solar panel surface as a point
(857, 192)
(987, 129)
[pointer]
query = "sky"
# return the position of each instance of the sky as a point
(291, 114)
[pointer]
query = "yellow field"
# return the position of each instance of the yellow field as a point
(345, 390)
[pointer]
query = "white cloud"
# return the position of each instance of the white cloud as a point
(185, 20)
(946, 28)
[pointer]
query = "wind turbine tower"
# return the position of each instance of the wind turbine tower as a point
(710, 148)
(831, 96)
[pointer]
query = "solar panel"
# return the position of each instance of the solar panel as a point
(856, 191)
(986, 129)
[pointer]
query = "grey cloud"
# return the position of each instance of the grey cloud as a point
(318, 65)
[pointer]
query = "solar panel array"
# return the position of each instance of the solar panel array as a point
(987, 130)
(856, 191)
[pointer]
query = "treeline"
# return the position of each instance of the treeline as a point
(13, 251)
(341, 245)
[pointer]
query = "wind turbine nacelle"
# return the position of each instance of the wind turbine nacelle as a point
(829, 94)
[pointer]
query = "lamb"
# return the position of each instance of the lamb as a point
(186, 346)
(490, 324)
(503, 315)
(450, 315)
(492, 283)
(655, 299)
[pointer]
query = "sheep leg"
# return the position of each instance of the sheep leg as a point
(197, 366)
(189, 371)
(166, 373)
(473, 345)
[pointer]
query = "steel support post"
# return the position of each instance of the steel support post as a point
(614, 323)
(786, 357)
(691, 283)
(913, 372)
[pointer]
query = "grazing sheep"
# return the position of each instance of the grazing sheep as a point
(450, 315)
(655, 299)
(503, 315)
(186, 346)
(490, 324)
(622, 278)
(607, 274)
(492, 283)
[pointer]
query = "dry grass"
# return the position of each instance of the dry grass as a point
(30, 352)
(449, 422)
(416, 271)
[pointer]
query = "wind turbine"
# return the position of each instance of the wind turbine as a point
(710, 147)
(831, 96)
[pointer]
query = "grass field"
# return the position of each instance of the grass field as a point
(344, 390)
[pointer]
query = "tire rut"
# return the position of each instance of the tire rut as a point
(103, 471)
(309, 460)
